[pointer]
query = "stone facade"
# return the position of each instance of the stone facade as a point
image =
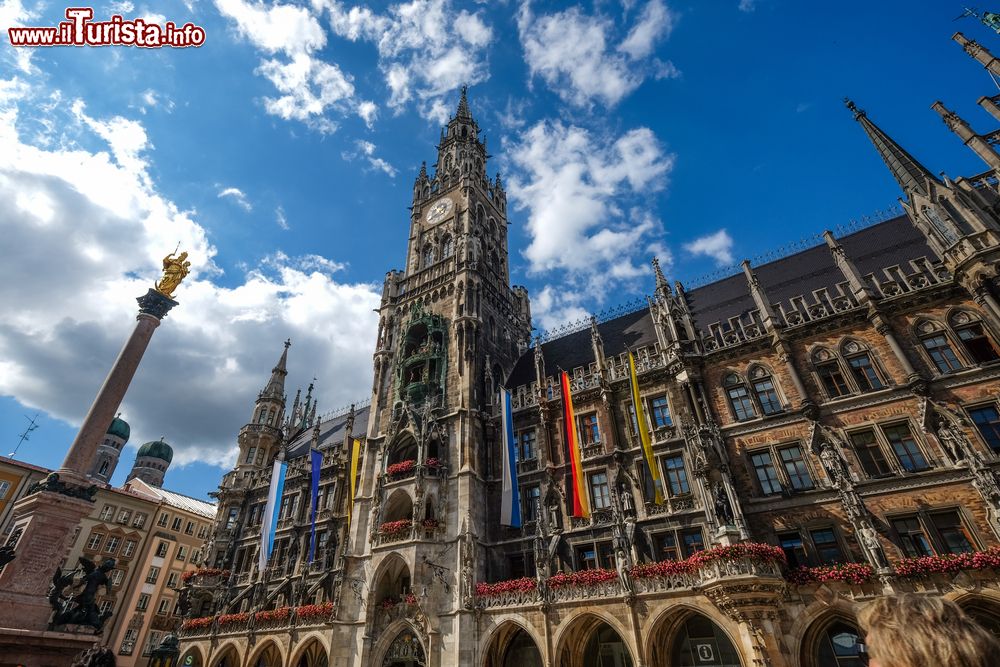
(835, 406)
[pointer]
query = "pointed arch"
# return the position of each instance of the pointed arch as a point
(399, 645)
(228, 655)
(393, 579)
(403, 448)
(675, 635)
(588, 635)
(399, 505)
(512, 644)
(192, 654)
(268, 654)
(833, 639)
(312, 651)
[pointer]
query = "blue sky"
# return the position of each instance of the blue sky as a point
(282, 153)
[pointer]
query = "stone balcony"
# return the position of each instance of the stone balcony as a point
(719, 577)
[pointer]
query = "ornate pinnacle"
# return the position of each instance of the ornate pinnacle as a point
(661, 280)
(463, 104)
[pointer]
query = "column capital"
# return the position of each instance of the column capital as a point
(155, 304)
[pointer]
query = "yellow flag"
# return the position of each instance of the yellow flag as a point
(644, 437)
(355, 451)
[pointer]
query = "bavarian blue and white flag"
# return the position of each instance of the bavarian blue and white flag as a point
(510, 499)
(269, 521)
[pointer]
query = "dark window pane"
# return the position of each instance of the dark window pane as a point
(795, 468)
(660, 411)
(770, 404)
(864, 373)
(692, 541)
(870, 454)
(676, 475)
(600, 492)
(912, 538)
(941, 353)
(740, 401)
(832, 379)
(586, 558)
(952, 533)
(987, 420)
(827, 549)
(589, 432)
(766, 474)
(791, 544)
(905, 448)
(666, 546)
(977, 344)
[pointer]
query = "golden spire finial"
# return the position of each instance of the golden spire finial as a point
(175, 268)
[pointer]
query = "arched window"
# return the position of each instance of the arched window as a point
(428, 255)
(103, 471)
(447, 247)
(937, 345)
(971, 332)
(943, 227)
(839, 646)
(765, 391)
(830, 373)
(739, 398)
(863, 370)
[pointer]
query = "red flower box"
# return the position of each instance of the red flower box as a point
(400, 468)
(582, 578)
(197, 623)
(410, 599)
(522, 585)
(433, 462)
(204, 572)
(269, 615)
(849, 573)
(389, 603)
(310, 611)
(925, 566)
(395, 527)
(229, 619)
(431, 523)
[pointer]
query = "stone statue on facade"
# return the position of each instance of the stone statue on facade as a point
(723, 509)
(621, 566)
(174, 271)
(81, 608)
(868, 537)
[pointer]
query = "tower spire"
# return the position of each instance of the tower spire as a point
(908, 172)
(463, 112)
(276, 385)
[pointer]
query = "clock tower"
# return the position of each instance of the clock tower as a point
(450, 329)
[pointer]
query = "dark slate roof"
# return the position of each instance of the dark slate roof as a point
(331, 433)
(894, 241)
(874, 248)
(567, 352)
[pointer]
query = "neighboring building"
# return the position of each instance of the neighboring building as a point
(154, 536)
(15, 480)
(174, 544)
(838, 404)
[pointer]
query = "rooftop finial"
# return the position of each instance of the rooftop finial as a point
(908, 172)
(463, 104)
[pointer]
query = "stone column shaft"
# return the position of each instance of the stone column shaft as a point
(108, 399)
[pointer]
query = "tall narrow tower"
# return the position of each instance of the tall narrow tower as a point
(450, 329)
(260, 437)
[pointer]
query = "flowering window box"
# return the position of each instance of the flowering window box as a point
(273, 616)
(522, 585)
(314, 612)
(926, 566)
(233, 619)
(848, 573)
(401, 469)
(194, 624)
(204, 573)
(392, 528)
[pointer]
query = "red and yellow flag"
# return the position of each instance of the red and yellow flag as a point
(581, 501)
(644, 437)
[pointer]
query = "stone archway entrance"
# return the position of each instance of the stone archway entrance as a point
(593, 642)
(512, 646)
(701, 643)
(405, 651)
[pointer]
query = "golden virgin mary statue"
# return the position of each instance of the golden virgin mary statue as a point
(174, 270)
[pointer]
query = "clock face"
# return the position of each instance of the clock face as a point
(438, 211)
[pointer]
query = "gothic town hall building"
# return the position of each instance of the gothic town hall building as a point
(826, 427)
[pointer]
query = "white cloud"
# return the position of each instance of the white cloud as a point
(279, 217)
(718, 246)
(368, 111)
(427, 49)
(309, 87)
(584, 196)
(13, 14)
(553, 307)
(572, 52)
(237, 196)
(366, 150)
(747, 5)
(654, 23)
(91, 228)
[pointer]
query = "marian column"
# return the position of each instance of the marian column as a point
(46, 521)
